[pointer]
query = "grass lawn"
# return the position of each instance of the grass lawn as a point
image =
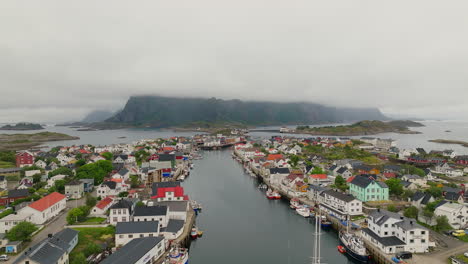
(358, 217)
(93, 220)
(5, 164)
(463, 238)
(92, 235)
(462, 257)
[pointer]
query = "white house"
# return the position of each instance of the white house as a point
(9, 221)
(40, 164)
(52, 180)
(31, 173)
(177, 210)
(45, 208)
(110, 188)
(121, 211)
(151, 213)
(457, 214)
(340, 204)
(416, 179)
(127, 231)
(101, 207)
(393, 233)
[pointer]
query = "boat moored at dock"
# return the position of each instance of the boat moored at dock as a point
(177, 256)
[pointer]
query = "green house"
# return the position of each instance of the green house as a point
(367, 189)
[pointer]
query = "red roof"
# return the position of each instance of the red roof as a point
(47, 201)
(389, 175)
(168, 149)
(350, 179)
(84, 151)
(178, 192)
(104, 202)
(274, 157)
(319, 176)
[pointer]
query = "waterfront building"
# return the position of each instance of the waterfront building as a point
(138, 251)
(367, 189)
(127, 231)
(339, 204)
(393, 233)
(151, 213)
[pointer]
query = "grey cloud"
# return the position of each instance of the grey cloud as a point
(63, 59)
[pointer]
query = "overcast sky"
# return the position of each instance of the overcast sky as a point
(61, 59)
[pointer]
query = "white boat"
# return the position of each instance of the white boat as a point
(303, 211)
(294, 203)
(354, 247)
(182, 177)
(177, 256)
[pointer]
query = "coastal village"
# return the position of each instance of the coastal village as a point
(124, 203)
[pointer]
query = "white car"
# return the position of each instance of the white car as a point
(4, 258)
(465, 254)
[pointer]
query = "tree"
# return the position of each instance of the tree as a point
(317, 170)
(37, 178)
(435, 191)
(79, 258)
(123, 194)
(442, 224)
(21, 232)
(80, 162)
(392, 208)
(140, 204)
(8, 156)
(394, 186)
(340, 183)
(107, 155)
(90, 200)
(61, 171)
(59, 186)
(74, 215)
(432, 205)
(97, 171)
(410, 169)
(134, 181)
(411, 212)
(294, 160)
(428, 214)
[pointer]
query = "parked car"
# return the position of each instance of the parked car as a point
(4, 258)
(458, 233)
(404, 255)
(465, 254)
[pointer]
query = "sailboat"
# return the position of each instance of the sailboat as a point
(316, 258)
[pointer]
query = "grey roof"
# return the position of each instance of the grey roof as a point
(424, 197)
(451, 196)
(10, 170)
(317, 188)
(74, 182)
(386, 241)
(405, 183)
(137, 227)
(150, 210)
(64, 238)
(342, 170)
(391, 167)
(333, 167)
(361, 181)
(133, 250)
(122, 204)
(166, 157)
(174, 206)
(340, 196)
(112, 185)
(279, 170)
(412, 176)
(123, 171)
(173, 226)
(381, 216)
(18, 193)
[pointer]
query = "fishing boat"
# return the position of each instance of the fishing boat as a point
(194, 233)
(177, 256)
(354, 246)
(294, 203)
(303, 211)
(273, 195)
(324, 223)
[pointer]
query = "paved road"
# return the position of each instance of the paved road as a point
(52, 227)
(452, 247)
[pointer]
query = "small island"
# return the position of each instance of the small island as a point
(366, 127)
(448, 141)
(25, 141)
(22, 126)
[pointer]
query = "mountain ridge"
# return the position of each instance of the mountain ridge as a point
(159, 111)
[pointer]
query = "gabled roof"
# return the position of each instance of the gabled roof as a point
(111, 184)
(340, 196)
(173, 226)
(137, 227)
(157, 185)
(279, 170)
(319, 176)
(104, 203)
(150, 210)
(342, 170)
(133, 250)
(125, 204)
(47, 201)
(18, 193)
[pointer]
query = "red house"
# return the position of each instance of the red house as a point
(462, 160)
(24, 158)
(14, 195)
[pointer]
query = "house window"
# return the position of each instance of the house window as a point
(141, 235)
(411, 232)
(423, 240)
(130, 236)
(385, 233)
(121, 236)
(411, 241)
(423, 232)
